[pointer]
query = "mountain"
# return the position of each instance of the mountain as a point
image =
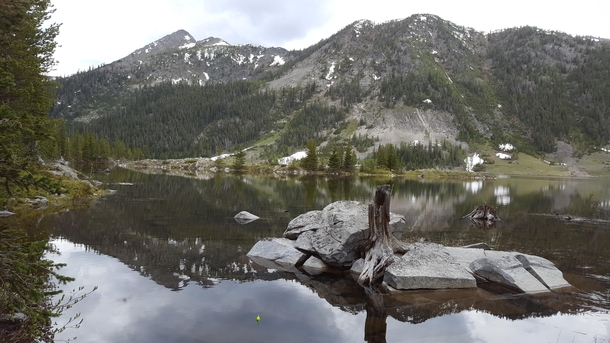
(421, 78)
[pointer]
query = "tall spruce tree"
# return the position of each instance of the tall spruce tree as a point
(26, 56)
(349, 161)
(334, 161)
(310, 162)
(240, 160)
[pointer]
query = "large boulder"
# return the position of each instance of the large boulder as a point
(337, 233)
(428, 266)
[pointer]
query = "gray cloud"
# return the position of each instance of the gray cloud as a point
(269, 23)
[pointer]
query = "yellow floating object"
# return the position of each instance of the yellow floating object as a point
(258, 318)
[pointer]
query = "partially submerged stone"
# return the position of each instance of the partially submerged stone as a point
(245, 217)
(521, 272)
(543, 270)
(315, 266)
(428, 266)
(279, 250)
(509, 272)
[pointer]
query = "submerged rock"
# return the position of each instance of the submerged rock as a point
(315, 266)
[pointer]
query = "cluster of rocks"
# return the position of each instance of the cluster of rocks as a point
(331, 241)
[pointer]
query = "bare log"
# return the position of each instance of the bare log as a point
(381, 245)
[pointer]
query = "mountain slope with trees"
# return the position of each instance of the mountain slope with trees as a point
(421, 78)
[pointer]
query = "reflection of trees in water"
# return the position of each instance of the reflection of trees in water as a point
(177, 230)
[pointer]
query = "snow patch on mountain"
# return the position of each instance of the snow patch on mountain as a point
(506, 147)
(473, 161)
(277, 60)
(187, 46)
(331, 70)
(239, 59)
(294, 157)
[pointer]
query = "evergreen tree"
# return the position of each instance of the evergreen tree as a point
(240, 160)
(310, 162)
(333, 162)
(382, 157)
(25, 57)
(349, 161)
(391, 156)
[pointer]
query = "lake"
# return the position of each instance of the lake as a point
(170, 261)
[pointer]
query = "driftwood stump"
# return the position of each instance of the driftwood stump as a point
(381, 245)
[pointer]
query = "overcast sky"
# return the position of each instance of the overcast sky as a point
(95, 32)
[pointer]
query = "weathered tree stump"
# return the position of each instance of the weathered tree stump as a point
(381, 245)
(485, 212)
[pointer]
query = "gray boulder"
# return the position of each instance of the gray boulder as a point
(509, 272)
(521, 272)
(309, 221)
(315, 266)
(336, 233)
(6, 214)
(428, 266)
(279, 250)
(544, 271)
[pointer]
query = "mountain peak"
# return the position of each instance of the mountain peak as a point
(180, 39)
(212, 41)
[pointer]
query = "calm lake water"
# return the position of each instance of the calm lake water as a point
(170, 262)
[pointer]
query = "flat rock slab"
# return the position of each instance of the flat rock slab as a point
(428, 266)
(509, 272)
(543, 270)
(279, 250)
(522, 272)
